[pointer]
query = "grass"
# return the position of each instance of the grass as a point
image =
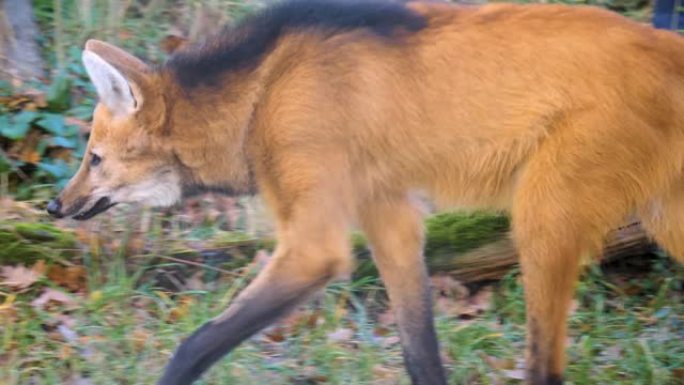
(627, 328)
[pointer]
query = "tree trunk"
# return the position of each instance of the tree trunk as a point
(19, 53)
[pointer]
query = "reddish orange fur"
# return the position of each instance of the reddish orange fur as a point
(571, 118)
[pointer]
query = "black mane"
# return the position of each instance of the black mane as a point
(242, 46)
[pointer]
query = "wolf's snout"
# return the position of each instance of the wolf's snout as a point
(54, 208)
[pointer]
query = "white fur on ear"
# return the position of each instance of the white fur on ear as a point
(112, 87)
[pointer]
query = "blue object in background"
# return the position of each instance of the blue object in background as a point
(668, 14)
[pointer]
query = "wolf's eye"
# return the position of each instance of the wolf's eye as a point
(94, 159)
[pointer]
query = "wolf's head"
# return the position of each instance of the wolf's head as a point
(128, 158)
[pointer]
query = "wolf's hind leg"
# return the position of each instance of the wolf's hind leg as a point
(394, 228)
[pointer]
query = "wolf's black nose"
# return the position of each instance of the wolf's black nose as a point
(54, 208)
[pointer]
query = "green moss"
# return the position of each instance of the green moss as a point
(447, 236)
(453, 233)
(28, 242)
(231, 238)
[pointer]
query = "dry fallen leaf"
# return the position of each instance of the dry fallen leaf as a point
(52, 296)
(7, 309)
(515, 374)
(447, 286)
(308, 375)
(25, 149)
(78, 380)
(20, 277)
(499, 363)
(679, 374)
(195, 281)
(66, 320)
(171, 43)
(290, 325)
(387, 318)
(39, 267)
(30, 156)
(181, 310)
(477, 303)
(140, 338)
(70, 277)
(341, 335)
(38, 97)
(386, 342)
(66, 352)
(386, 376)
(83, 126)
(275, 334)
(67, 333)
(449, 307)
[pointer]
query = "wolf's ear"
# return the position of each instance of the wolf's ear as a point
(119, 78)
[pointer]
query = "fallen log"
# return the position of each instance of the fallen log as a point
(470, 247)
(478, 247)
(495, 260)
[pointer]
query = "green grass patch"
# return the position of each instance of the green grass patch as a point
(627, 329)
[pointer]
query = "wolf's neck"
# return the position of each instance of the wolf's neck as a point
(211, 127)
(213, 124)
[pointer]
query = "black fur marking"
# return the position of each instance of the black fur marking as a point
(545, 380)
(76, 207)
(419, 341)
(218, 337)
(538, 373)
(243, 46)
(190, 190)
(215, 339)
(103, 204)
(533, 329)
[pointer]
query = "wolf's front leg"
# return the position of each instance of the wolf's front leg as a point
(309, 253)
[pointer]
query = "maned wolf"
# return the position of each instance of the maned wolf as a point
(338, 112)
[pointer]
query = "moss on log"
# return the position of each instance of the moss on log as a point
(446, 236)
(451, 234)
(469, 246)
(477, 247)
(26, 242)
